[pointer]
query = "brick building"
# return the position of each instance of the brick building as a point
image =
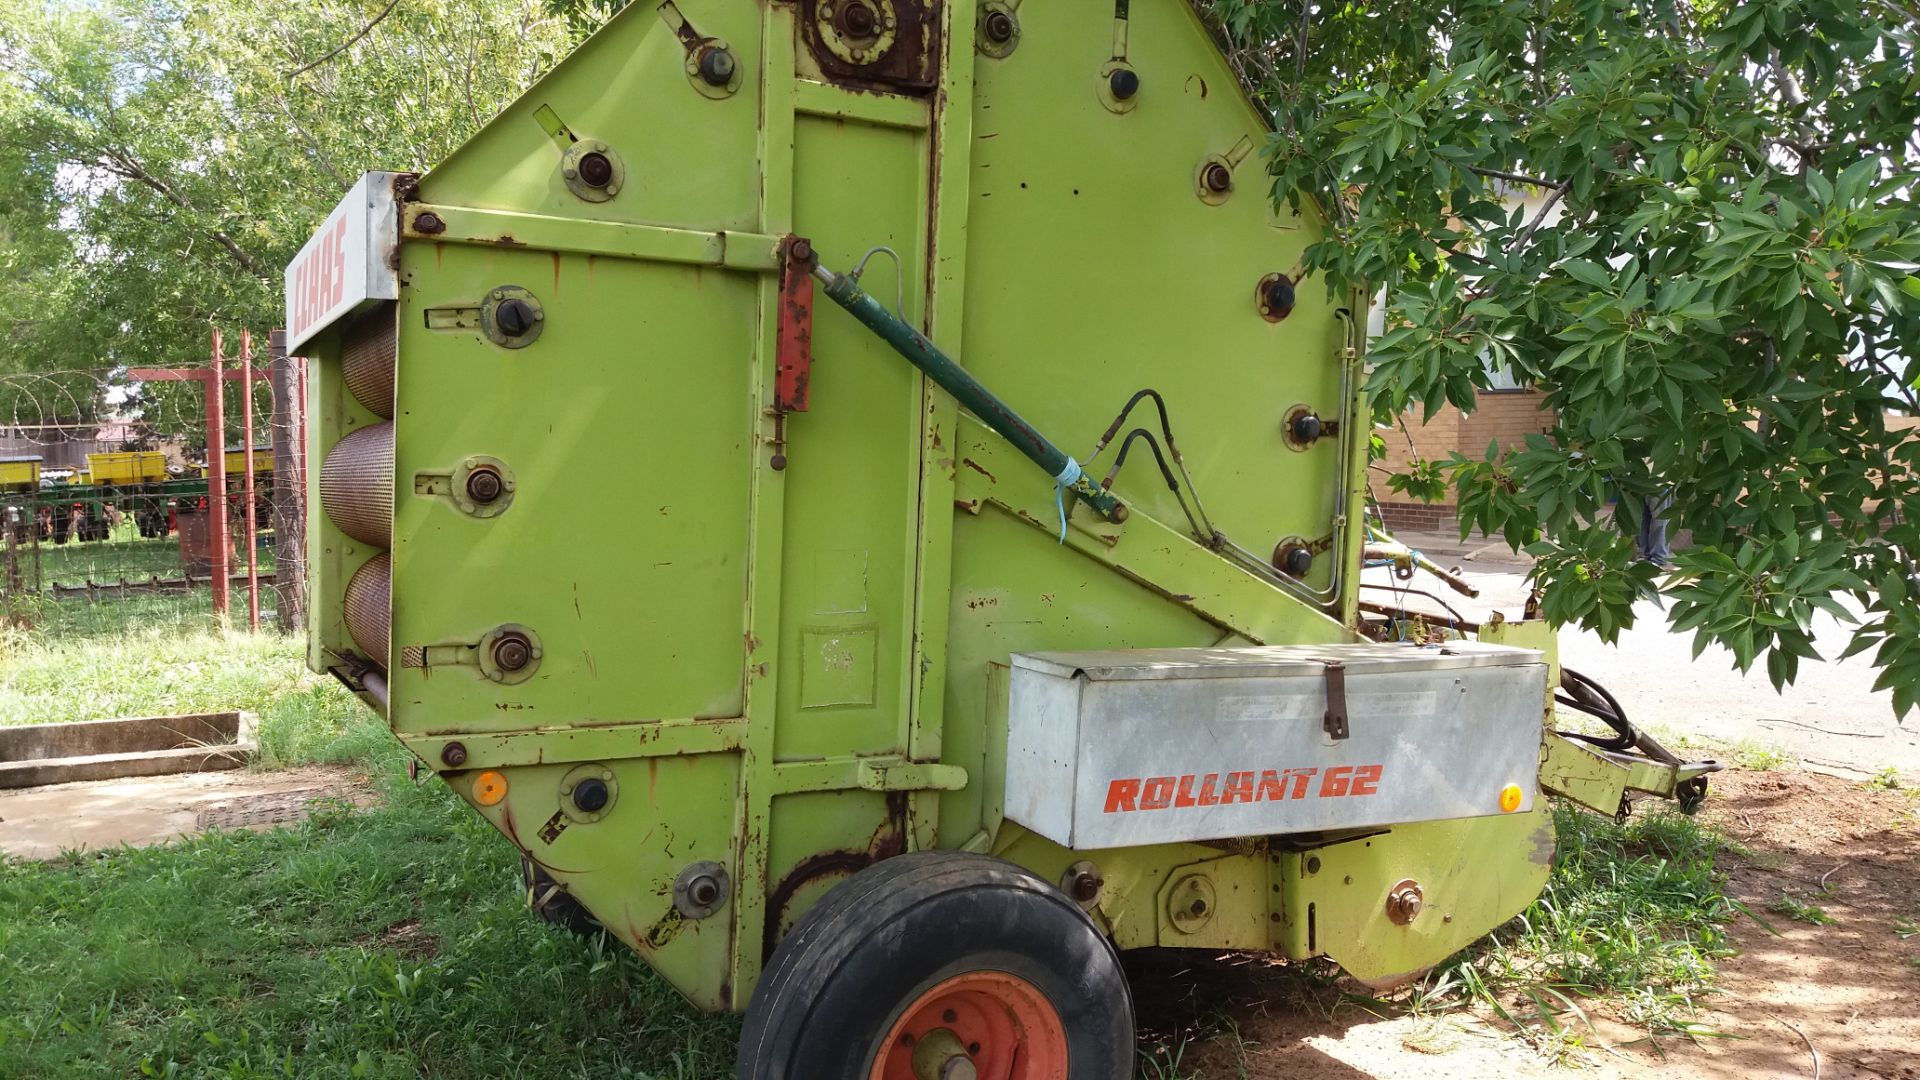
(1505, 415)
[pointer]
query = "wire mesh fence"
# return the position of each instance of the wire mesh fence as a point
(113, 515)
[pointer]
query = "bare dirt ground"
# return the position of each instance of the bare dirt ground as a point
(1848, 991)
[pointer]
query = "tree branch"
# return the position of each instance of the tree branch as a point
(347, 44)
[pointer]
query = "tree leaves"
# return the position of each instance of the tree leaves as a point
(1695, 229)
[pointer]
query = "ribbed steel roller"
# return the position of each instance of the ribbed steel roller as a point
(368, 607)
(356, 485)
(367, 360)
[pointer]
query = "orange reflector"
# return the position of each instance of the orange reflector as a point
(1509, 797)
(490, 787)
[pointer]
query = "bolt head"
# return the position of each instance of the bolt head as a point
(453, 755)
(1296, 560)
(1277, 297)
(429, 223)
(1123, 83)
(858, 20)
(1306, 427)
(484, 485)
(1219, 178)
(591, 795)
(596, 169)
(716, 67)
(999, 27)
(514, 317)
(1085, 887)
(512, 653)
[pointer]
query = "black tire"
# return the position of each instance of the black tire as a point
(553, 903)
(849, 970)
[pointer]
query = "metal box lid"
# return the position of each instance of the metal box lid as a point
(1271, 661)
(1120, 748)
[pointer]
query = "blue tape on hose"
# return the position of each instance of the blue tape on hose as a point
(1069, 476)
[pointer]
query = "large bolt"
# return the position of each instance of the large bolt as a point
(1276, 297)
(1306, 427)
(716, 67)
(430, 224)
(1123, 83)
(1404, 902)
(1296, 560)
(999, 27)
(591, 795)
(596, 169)
(453, 755)
(858, 20)
(483, 485)
(511, 653)
(1218, 178)
(514, 317)
(1085, 886)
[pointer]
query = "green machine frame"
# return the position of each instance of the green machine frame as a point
(776, 646)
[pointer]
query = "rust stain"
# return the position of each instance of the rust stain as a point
(975, 466)
(507, 240)
(556, 273)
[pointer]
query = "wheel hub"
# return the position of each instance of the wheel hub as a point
(982, 1025)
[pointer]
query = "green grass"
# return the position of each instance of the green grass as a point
(1633, 918)
(153, 670)
(1800, 910)
(389, 942)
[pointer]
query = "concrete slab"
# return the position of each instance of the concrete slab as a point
(34, 755)
(41, 823)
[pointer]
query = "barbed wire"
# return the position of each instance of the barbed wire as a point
(48, 408)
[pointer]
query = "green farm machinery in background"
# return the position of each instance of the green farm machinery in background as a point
(980, 595)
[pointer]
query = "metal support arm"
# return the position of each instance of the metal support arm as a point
(844, 290)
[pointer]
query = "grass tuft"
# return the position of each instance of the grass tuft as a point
(1634, 914)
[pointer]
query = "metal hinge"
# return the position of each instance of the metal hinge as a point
(1335, 721)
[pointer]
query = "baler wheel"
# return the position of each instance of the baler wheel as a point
(941, 964)
(553, 903)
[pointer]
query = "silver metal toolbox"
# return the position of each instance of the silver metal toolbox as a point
(1128, 747)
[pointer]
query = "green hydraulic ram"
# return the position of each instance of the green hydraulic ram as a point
(970, 392)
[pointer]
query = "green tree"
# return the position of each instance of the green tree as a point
(1723, 305)
(162, 160)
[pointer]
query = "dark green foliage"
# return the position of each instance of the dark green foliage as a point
(1721, 305)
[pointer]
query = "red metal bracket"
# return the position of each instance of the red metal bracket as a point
(793, 353)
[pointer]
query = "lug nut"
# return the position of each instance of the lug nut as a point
(596, 170)
(1276, 297)
(453, 755)
(512, 653)
(1123, 83)
(514, 317)
(591, 795)
(716, 67)
(999, 27)
(483, 485)
(1219, 178)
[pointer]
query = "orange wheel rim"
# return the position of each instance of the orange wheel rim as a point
(1004, 1024)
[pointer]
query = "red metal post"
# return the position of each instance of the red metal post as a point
(217, 475)
(246, 486)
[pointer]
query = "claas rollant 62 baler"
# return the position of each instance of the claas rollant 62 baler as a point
(858, 494)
